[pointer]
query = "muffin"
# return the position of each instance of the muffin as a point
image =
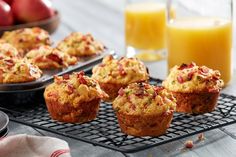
(73, 98)
(7, 50)
(80, 45)
(18, 71)
(144, 110)
(25, 39)
(46, 57)
(196, 88)
(113, 74)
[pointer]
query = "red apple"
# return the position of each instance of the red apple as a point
(6, 17)
(32, 10)
(8, 1)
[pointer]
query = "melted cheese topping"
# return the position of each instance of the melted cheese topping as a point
(192, 78)
(18, 70)
(122, 71)
(74, 89)
(47, 57)
(144, 99)
(77, 44)
(7, 50)
(26, 39)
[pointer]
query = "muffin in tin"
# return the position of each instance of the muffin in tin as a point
(7, 50)
(46, 57)
(144, 110)
(14, 70)
(80, 45)
(73, 98)
(196, 88)
(25, 39)
(113, 74)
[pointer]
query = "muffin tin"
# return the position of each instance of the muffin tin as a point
(47, 77)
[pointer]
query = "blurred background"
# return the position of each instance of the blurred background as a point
(113, 36)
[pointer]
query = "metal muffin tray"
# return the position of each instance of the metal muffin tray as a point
(47, 77)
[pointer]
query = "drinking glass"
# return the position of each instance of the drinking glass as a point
(201, 32)
(145, 29)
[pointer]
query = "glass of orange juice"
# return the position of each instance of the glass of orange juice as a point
(145, 29)
(201, 32)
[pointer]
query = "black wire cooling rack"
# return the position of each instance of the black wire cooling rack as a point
(104, 130)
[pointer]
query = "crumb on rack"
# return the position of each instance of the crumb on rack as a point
(189, 144)
(201, 137)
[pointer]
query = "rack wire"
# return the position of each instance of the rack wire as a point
(104, 130)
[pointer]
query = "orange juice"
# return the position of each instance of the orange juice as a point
(206, 41)
(145, 25)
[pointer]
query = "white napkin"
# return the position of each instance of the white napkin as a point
(23, 145)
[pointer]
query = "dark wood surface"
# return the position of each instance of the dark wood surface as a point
(104, 19)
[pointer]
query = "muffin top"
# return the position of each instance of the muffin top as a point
(144, 99)
(14, 70)
(25, 39)
(46, 57)
(77, 44)
(122, 71)
(74, 89)
(189, 78)
(7, 50)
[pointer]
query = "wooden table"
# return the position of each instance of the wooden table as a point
(104, 19)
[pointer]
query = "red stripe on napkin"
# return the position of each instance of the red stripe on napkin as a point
(59, 152)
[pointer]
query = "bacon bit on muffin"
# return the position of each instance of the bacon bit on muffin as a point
(158, 89)
(189, 144)
(102, 65)
(133, 107)
(121, 92)
(183, 66)
(53, 94)
(213, 90)
(9, 63)
(39, 59)
(139, 92)
(37, 30)
(180, 79)
(203, 70)
(121, 69)
(186, 66)
(81, 78)
(84, 38)
(190, 75)
(86, 47)
(81, 73)
(66, 76)
(70, 88)
(55, 58)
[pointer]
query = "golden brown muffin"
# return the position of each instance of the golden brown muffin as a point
(144, 110)
(196, 88)
(18, 71)
(79, 45)
(25, 39)
(46, 57)
(7, 50)
(113, 74)
(73, 98)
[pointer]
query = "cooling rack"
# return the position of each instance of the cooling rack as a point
(104, 131)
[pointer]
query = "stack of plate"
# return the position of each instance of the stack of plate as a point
(4, 120)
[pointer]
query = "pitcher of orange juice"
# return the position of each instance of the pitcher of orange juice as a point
(145, 29)
(201, 32)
